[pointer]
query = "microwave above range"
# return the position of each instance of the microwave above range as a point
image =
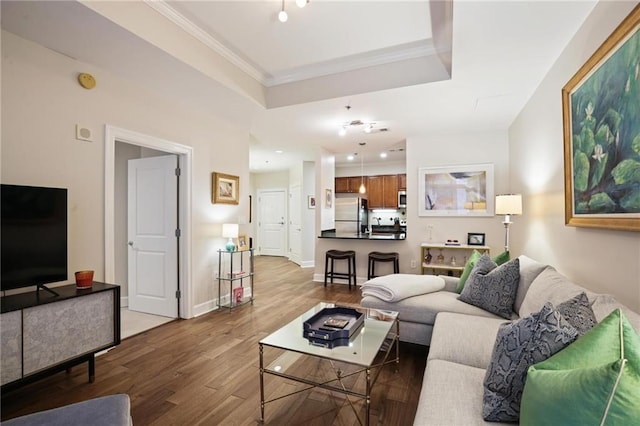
(402, 199)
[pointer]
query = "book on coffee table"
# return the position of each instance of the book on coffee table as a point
(336, 322)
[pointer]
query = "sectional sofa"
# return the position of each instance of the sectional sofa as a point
(462, 337)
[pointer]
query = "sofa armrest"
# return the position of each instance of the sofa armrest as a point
(450, 283)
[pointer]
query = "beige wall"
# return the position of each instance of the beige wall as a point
(602, 260)
(41, 104)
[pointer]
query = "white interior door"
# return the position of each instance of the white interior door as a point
(152, 231)
(295, 224)
(272, 205)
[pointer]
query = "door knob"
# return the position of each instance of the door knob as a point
(130, 243)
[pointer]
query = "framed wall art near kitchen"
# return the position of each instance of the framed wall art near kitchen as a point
(225, 188)
(465, 190)
(601, 120)
(328, 198)
(311, 202)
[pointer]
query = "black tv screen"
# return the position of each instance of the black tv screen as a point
(33, 236)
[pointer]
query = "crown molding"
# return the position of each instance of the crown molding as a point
(407, 51)
(199, 34)
(403, 52)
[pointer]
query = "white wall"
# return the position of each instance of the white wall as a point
(308, 215)
(461, 149)
(41, 104)
(602, 260)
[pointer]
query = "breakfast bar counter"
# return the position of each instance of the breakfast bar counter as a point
(362, 236)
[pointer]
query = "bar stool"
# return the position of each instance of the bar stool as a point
(349, 256)
(378, 256)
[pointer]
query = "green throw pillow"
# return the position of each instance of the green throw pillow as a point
(471, 262)
(595, 380)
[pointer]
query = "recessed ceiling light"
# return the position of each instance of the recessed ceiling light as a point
(279, 151)
(383, 155)
(350, 157)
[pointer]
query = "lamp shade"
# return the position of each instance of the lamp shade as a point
(230, 230)
(509, 204)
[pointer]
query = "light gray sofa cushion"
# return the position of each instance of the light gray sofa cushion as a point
(464, 339)
(550, 286)
(529, 271)
(424, 308)
(604, 304)
(451, 395)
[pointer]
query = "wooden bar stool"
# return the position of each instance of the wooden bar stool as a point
(378, 256)
(349, 256)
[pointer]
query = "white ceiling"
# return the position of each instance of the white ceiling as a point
(379, 57)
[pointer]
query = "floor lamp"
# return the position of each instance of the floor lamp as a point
(508, 205)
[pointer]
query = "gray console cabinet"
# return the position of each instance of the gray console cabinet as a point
(42, 334)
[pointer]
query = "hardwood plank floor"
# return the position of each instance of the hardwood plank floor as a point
(205, 371)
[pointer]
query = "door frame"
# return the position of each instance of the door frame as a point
(185, 157)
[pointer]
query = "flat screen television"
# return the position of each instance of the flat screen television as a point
(33, 238)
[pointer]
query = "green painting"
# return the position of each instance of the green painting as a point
(604, 130)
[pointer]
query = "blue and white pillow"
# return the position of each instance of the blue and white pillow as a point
(518, 346)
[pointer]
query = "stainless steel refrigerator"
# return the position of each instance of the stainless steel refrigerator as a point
(351, 215)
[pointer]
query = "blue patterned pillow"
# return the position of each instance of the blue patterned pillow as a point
(577, 311)
(518, 346)
(492, 287)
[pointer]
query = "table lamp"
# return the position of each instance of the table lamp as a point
(230, 230)
(508, 204)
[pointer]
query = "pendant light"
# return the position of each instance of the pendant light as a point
(362, 189)
(282, 16)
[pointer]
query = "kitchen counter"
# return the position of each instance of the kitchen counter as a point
(361, 236)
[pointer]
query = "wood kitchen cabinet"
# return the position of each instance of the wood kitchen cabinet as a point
(350, 184)
(382, 192)
(402, 182)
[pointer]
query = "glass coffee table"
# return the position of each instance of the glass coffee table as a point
(379, 334)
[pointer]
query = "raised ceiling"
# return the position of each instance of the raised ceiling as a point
(415, 68)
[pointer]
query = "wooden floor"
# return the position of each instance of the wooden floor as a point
(204, 371)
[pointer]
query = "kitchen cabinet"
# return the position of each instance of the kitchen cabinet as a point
(382, 192)
(402, 182)
(349, 184)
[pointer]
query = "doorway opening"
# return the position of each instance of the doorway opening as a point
(115, 250)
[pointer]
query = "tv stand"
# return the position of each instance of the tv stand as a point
(44, 335)
(44, 287)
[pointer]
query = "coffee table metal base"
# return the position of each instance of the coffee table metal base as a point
(390, 343)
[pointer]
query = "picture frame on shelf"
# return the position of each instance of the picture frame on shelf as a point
(475, 239)
(601, 137)
(457, 190)
(311, 202)
(225, 188)
(242, 242)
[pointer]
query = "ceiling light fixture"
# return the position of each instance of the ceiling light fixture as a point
(362, 188)
(282, 16)
(344, 127)
(301, 3)
(383, 155)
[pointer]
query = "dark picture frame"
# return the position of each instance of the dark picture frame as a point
(475, 239)
(600, 108)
